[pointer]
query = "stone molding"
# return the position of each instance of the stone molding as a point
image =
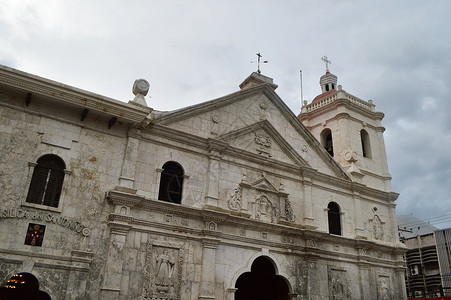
(78, 261)
(296, 233)
(71, 95)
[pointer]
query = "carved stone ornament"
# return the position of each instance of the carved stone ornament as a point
(339, 284)
(377, 227)
(383, 287)
(351, 156)
(140, 89)
(261, 200)
(265, 210)
(264, 144)
(289, 215)
(311, 244)
(234, 202)
(215, 118)
(163, 271)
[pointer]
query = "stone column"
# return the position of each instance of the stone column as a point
(113, 266)
(208, 273)
(127, 178)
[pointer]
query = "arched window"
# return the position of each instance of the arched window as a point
(171, 183)
(334, 219)
(366, 149)
(326, 141)
(47, 181)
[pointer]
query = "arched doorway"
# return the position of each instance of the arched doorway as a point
(261, 283)
(23, 286)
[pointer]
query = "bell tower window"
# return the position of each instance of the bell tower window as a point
(365, 138)
(326, 141)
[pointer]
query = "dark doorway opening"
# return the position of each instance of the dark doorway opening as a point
(261, 283)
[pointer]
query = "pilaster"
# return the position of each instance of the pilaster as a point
(114, 261)
(215, 149)
(127, 178)
(208, 275)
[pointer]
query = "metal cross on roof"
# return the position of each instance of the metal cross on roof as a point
(258, 62)
(327, 61)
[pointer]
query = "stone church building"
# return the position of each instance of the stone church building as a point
(233, 198)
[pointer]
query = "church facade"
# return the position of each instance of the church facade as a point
(234, 198)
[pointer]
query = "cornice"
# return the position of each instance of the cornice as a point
(62, 93)
(227, 218)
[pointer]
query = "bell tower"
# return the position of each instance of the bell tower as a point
(350, 130)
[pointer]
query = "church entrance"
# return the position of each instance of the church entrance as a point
(261, 283)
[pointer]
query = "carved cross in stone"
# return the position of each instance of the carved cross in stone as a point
(326, 61)
(258, 62)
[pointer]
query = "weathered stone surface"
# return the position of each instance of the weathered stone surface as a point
(256, 183)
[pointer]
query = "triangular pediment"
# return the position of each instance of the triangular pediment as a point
(264, 184)
(263, 139)
(253, 122)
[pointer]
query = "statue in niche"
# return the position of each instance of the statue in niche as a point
(378, 229)
(165, 270)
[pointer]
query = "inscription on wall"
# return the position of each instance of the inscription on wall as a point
(19, 213)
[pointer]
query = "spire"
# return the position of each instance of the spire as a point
(328, 81)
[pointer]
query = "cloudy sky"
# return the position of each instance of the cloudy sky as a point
(397, 53)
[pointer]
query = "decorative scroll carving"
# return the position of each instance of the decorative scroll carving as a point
(289, 216)
(235, 200)
(339, 284)
(163, 271)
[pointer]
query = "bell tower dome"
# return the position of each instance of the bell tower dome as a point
(350, 130)
(328, 82)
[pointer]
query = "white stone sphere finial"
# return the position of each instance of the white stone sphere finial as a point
(141, 86)
(140, 89)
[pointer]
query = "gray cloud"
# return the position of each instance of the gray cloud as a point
(396, 53)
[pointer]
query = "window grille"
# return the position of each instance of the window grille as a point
(47, 181)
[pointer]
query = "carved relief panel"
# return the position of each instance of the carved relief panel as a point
(163, 271)
(339, 284)
(377, 227)
(261, 200)
(383, 287)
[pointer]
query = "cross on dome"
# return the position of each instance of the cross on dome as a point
(327, 62)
